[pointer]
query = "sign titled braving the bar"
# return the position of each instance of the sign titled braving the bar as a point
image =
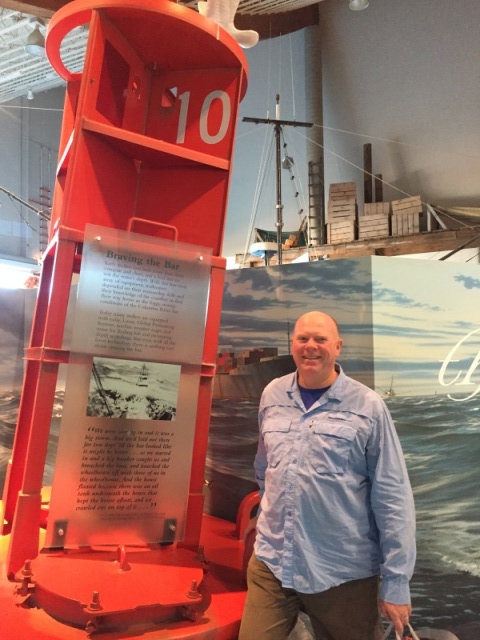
(126, 437)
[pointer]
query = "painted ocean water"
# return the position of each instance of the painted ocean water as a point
(441, 442)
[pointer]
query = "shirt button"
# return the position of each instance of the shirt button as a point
(289, 513)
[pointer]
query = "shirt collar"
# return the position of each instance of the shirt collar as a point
(336, 391)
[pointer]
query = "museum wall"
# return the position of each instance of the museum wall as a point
(28, 159)
(402, 75)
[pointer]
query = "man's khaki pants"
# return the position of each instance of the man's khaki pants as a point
(347, 612)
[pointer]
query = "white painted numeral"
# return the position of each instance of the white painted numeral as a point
(222, 130)
(205, 135)
(182, 120)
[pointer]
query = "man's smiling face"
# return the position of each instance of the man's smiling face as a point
(316, 345)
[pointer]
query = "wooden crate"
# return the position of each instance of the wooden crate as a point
(341, 231)
(375, 225)
(407, 205)
(341, 190)
(404, 224)
(375, 208)
(344, 208)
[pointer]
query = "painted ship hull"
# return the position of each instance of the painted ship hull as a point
(249, 380)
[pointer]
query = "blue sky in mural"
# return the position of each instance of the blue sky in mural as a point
(427, 326)
(421, 311)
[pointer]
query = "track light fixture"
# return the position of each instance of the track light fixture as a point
(358, 5)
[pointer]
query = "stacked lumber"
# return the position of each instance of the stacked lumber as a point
(342, 212)
(406, 216)
(290, 241)
(375, 223)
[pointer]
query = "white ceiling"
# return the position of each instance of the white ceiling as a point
(21, 72)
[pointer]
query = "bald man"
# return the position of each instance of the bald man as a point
(336, 524)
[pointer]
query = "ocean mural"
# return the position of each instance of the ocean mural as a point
(412, 332)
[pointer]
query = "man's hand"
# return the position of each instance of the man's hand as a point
(399, 614)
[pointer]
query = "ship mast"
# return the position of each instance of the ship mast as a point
(277, 125)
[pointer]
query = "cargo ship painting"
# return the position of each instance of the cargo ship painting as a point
(245, 374)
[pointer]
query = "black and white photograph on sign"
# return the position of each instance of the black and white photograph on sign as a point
(133, 389)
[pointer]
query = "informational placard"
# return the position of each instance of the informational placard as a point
(125, 446)
(141, 297)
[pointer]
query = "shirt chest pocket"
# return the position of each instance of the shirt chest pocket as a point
(331, 444)
(276, 436)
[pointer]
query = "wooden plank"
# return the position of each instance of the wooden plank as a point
(340, 195)
(341, 215)
(409, 205)
(340, 231)
(411, 209)
(343, 186)
(373, 226)
(375, 208)
(411, 199)
(332, 206)
(344, 208)
(341, 190)
(405, 223)
(341, 202)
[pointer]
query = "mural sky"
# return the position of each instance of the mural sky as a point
(407, 315)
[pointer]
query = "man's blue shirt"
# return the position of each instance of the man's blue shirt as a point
(336, 499)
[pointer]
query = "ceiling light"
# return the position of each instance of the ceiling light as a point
(30, 95)
(35, 43)
(358, 5)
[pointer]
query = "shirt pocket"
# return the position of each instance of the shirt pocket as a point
(275, 437)
(331, 444)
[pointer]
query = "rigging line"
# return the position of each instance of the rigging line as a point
(399, 142)
(296, 191)
(301, 190)
(256, 199)
(247, 133)
(475, 256)
(405, 193)
(21, 216)
(291, 76)
(459, 248)
(266, 153)
(445, 213)
(2, 106)
(12, 196)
